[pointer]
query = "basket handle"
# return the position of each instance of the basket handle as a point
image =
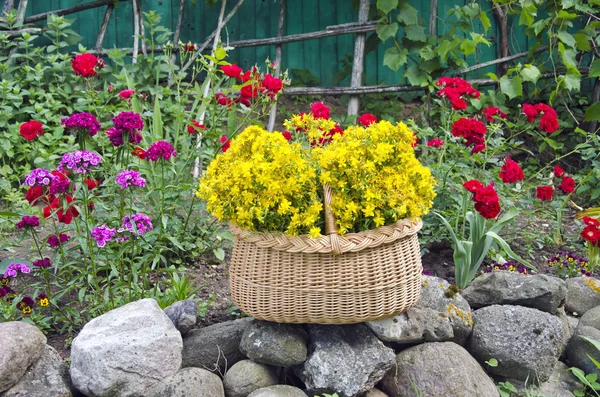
(330, 226)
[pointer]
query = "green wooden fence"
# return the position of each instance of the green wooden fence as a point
(324, 58)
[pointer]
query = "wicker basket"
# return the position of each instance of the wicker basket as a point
(331, 279)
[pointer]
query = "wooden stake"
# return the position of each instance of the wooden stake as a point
(273, 114)
(136, 31)
(177, 36)
(8, 5)
(433, 18)
(359, 54)
(21, 12)
(71, 10)
(142, 32)
(503, 50)
(104, 26)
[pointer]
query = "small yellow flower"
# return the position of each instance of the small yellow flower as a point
(314, 232)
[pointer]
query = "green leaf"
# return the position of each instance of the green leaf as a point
(500, 241)
(527, 15)
(220, 54)
(386, 31)
(592, 113)
(511, 87)
(485, 21)
(386, 5)
(408, 14)
(583, 42)
(594, 342)
(394, 58)
(219, 253)
(157, 123)
(492, 362)
(443, 49)
(427, 53)
(568, 55)
(595, 69)
(572, 81)
(415, 33)
(566, 15)
(530, 73)
(416, 76)
(566, 38)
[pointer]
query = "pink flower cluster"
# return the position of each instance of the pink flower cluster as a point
(128, 178)
(102, 235)
(42, 263)
(80, 161)
(38, 177)
(82, 122)
(160, 149)
(139, 223)
(28, 221)
(14, 268)
(54, 240)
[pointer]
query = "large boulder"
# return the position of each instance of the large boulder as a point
(126, 351)
(216, 347)
(22, 345)
(375, 393)
(591, 318)
(542, 292)
(183, 314)
(583, 294)
(345, 359)
(438, 294)
(190, 382)
(281, 345)
(415, 326)
(580, 350)
(246, 376)
(437, 369)
(562, 383)
(526, 342)
(278, 391)
(48, 376)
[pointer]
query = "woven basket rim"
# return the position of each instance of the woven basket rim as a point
(333, 243)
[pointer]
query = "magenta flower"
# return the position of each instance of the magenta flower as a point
(102, 235)
(39, 177)
(14, 268)
(137, 222)
(84, 122)
(128, 121)
(118, 137)
(160, 149)
(53, 240)
(80, 161)
(42, 263)
(125, 94)
(128, 178)
(28, 221)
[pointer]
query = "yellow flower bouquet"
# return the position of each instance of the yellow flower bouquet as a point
(321, 198)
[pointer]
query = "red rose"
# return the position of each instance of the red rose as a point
(567, 185)
(231, 70)
(545, 109)
(435, 142)
(195, 127)
(511, 172)
(63, 216)
(367, 119)
(223, 100)
(492, 111)
(139, 153)
(591, 221)
(544, 193)
(488, 210)
(225, 143)
(480, 147)
(548, 123)
(125, 94)
(85, 65)
(486, 194)
(455, 88)
(31, 129)
(473, 185)
(458, 103)
(272, 84)
(243, 100)
(287, 135)
(591, 234)
(320, 110)
(189, 47)
(33, 194)
(473, 131)
(558, 172)
(530, 112)
(250, 90)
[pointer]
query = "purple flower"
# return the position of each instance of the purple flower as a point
(39, 176)
(142, 223)
(115, 136)
(102, 235)
(28, 221)
(80, 161)
(128, 121)
(85, 122)
(53, 241)
(14, 268)
(42, 263)
(129, 178)
(160, 149)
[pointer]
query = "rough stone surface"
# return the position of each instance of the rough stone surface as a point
(591, 318)
(48, 376)
(247, 376)
(278, 391)
(542, 292)
(126, 351)
(453, 306)
(190, 382)
(22, 345)
(438, 369)
(562, 383)
(583, 294)
(415, 326)
(345, 359)
(526, 342)
(183, 314)
(216, 347)
(281, 345)
(568, 330)
(579, 349)
(375, 393)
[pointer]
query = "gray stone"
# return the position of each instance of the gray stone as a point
(583, 294)
(246, 376)
(22, 345)
(48, 376)
(216, 347)
(281, 345)
(278, 391)
(438, 369)
(190, 382)
(436, 294)
(542, 292)
(591, 318)
(568, 330)
(526, 342)
(562, 383)
(415, 326)
(579, 349)
(126, 351)
(344, 359)
(183, 314)
(375, 393)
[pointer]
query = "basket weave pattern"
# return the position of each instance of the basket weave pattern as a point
(331, 279)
